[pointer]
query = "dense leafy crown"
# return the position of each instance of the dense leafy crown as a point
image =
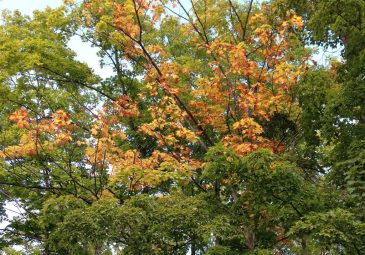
(216, 84)
(214, 135)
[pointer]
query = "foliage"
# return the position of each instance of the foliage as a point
(214, 135)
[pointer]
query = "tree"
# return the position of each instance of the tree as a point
(341, 119)
(195, 144)
(335, 120)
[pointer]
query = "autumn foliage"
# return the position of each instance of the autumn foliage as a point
(248, 76)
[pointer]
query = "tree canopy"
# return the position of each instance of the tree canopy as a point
(217, 132)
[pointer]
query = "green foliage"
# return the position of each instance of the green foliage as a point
(337, 230)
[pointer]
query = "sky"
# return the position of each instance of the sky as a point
(27, 6)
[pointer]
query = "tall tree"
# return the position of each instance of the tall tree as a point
(205, 139)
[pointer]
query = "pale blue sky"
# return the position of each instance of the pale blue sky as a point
(27, 6)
